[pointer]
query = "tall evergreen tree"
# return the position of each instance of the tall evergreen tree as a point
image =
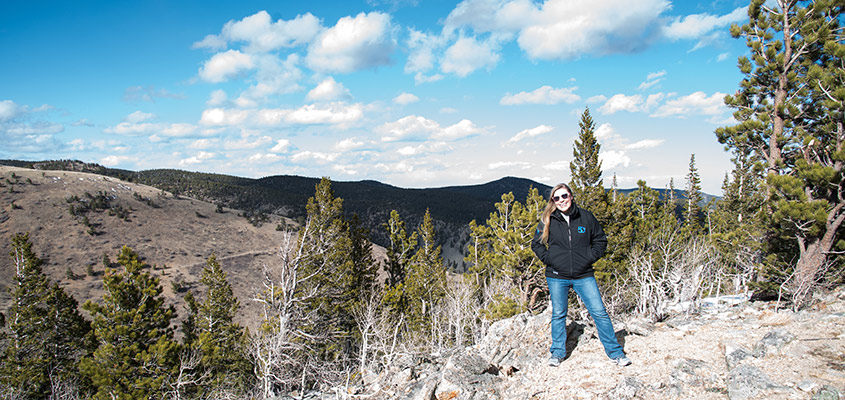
(586, 181)
(214, 334)
(789, 107)
(692, 208)
(426, 280)
(501, 249)
(400, 251)
(46, 333)
(342, 271)
(136, 354)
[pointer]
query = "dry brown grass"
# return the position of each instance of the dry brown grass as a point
(176, 238)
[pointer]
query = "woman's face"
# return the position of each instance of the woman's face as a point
(562, 199)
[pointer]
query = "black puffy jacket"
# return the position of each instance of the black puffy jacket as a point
(573, 247)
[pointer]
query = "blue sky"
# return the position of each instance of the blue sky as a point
(409, 93)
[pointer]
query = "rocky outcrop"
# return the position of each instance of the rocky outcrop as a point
(733, 351)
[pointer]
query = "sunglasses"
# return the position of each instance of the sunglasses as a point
(561, 197)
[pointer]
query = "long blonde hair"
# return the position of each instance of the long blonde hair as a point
(551, 207)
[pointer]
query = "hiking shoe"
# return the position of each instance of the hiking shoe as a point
(623, 361)
(554, 361)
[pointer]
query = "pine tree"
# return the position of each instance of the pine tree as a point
(426, 279)
(342, 271)
(46, 333)
(501, 249)
(400, 251)
(692, 208)
(212, 332)
(136, 353)
(586, 181)
(789, 108)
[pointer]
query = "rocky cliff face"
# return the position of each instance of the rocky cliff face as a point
(725, 351)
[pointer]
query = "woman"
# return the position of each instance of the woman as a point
(568, 241)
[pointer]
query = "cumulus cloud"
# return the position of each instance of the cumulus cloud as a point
(542, 95)
(273, 76)
(699, 25)
(413, 127)
(354, 43)
(697, 103)
(263, 35)
(405, 98)
(318, 157)
(138, 116)
(529, 133)
(348, 144)
(563, 29)
(281, 146)
(611, 159)
(645, 144)
(196, 159)
(115, 160)
(422, 47)
(621, 102)
(467, 55)
(335, 113)
(328, 90)
(224, 66)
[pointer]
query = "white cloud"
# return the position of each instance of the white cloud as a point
(328, 90)
(273, 76)
(413, 127)
(10, 110)
(264, 157)
(611, 159)
(421, 78)
(314, 156)
(263, 35)
(699, 25)
(407, 127)
(223, 116)
(130, 129)
(247, 143)
(528, 133)
(467, 55)
(564, 29)
(645, 144)
(348, 144)
(138, 116)
(621, 102)
(405, 98)
(697, 103)
(197, 159)
(112, 161)
(652, 79)
(203, 143)
(211, 42)
(421, 47)
(542, 95)
(281, 146)
(332, 113)
(605, 131)
(365, 41)
(217, 98)
(178, 130)
(556, 166)
(462, 129)
(509, 164)
(224, 66)
(722, 57)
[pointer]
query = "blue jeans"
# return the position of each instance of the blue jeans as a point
(588, 290)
